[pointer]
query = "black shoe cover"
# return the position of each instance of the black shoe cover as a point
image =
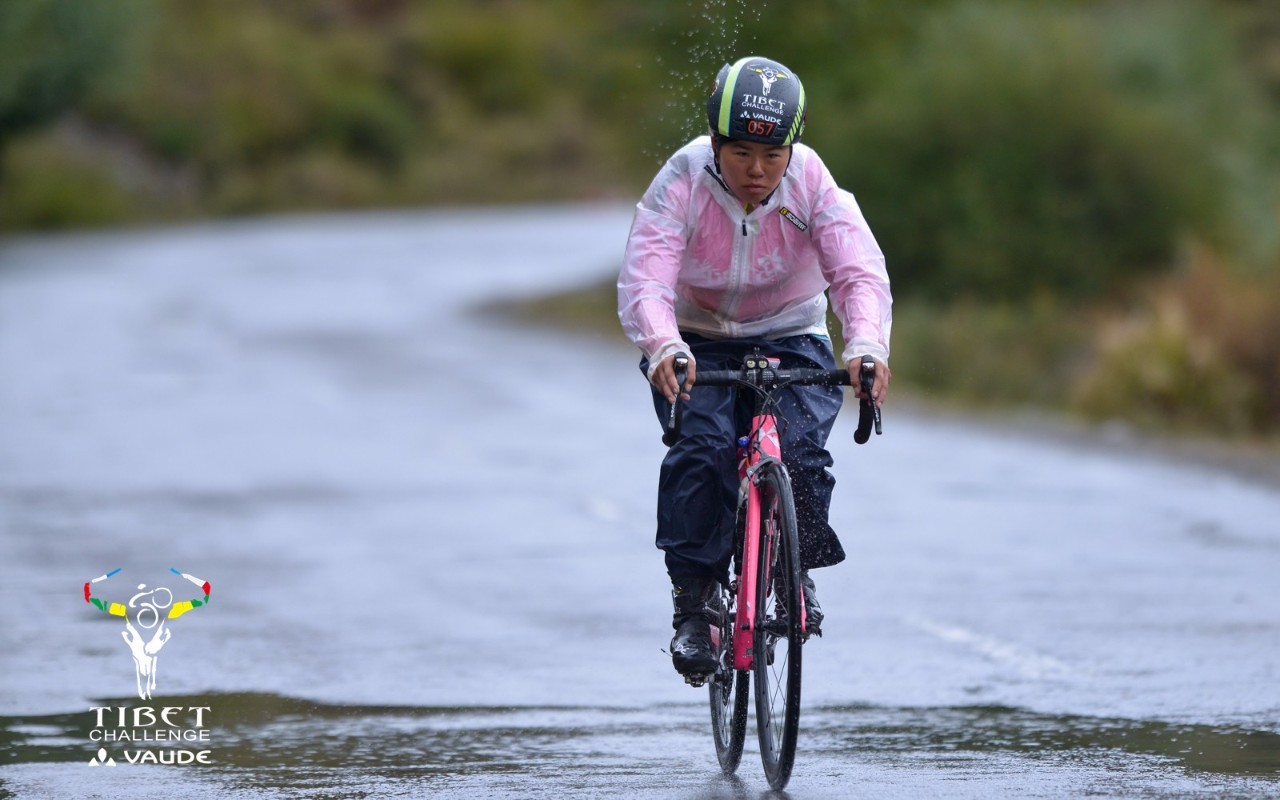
(813, 611)
(691, 650)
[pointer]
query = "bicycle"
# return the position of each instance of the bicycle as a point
(756, 633)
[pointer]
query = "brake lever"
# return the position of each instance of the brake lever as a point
(672, 434)
(868, 413)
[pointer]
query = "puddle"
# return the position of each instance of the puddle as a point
(273, 746)
(992, 729)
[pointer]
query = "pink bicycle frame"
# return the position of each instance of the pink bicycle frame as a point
(763, 444)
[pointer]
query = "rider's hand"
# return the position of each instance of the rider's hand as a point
(664, 379)
(879, 388)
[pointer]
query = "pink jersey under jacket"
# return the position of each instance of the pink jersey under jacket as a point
(696, 262)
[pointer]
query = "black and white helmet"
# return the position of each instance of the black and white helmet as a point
(759, 100)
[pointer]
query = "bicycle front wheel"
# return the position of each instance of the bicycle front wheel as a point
(778, 636)
(730, 692)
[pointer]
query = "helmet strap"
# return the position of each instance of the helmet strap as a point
(719, 180)
(717, 141)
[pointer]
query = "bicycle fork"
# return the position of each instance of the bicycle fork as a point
(745, 622)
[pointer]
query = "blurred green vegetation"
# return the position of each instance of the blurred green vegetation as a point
(1077, 198)
(1055, 149)
(54, 52)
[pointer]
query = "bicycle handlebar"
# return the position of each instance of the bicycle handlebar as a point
(759, 373)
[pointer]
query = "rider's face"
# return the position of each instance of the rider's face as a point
(753, 169)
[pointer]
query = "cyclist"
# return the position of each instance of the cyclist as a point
(734, 246)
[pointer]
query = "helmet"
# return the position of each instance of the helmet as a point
(759, 100)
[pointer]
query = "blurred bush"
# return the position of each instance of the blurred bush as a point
(1201, 352)
(1016, 148)
(277, 105)
(52, 185)
(55, 52)
(992, 354)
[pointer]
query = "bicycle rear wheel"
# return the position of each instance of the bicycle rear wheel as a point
(778, 638)
(729, 690)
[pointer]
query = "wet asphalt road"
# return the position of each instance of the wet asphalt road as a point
(429, 536)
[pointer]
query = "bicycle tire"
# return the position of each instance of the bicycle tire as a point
(730, 693)
(778, 636)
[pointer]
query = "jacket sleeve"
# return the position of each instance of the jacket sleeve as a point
(651, 265)
(853, 265)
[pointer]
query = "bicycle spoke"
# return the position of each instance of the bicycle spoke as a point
(729, 693)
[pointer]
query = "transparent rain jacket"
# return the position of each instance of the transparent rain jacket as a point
(695, 261)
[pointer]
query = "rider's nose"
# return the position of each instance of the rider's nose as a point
(755, 167)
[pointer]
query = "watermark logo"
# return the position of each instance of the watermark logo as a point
(171, 735)
(176, 734)
(151, 610)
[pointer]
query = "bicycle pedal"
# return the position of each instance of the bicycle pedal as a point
(697, 681)
(775, 627)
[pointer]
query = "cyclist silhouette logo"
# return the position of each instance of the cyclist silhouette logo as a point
(150, 610)
(768, 77)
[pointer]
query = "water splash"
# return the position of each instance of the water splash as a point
(723, 31)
